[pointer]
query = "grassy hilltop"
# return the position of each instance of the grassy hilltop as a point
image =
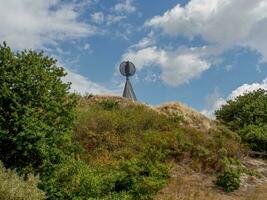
(142, 148)
(133, 147)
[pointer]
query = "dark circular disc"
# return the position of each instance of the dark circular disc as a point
(127, 68)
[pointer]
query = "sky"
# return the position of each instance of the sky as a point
(198, 52)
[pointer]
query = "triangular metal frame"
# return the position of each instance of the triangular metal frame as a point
(128, 91)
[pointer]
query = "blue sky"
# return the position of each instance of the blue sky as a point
(199, 52)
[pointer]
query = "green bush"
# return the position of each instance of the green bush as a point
(76, 180)
(250, 108)
(142, 177)
(229, 180)
(12, 187)
(247, 115)
(255, 136)
(134, 179)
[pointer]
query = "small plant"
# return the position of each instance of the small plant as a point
(229, 180)
(109, 104)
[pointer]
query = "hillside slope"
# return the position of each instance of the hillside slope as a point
(163, 152)
(191, 146)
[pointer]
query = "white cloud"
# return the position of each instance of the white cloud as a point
(181, 68)
(209, 112)
(177, 67)
(82, 85)
(215, 101)
(151, 77)
(86, 46)
(228, 68)
(125, 6)
(248, 88)
(224, 23)
(145, 42)
(34, 24)
(111, 19)
(98, 17)
(144, 57)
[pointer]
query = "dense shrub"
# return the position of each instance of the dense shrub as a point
(36, 111)
(256, 136)
(250, 108)
(247, 115)
(142, 177)
(229, 180)
(12, 187)
(76, 180)
(134, 179)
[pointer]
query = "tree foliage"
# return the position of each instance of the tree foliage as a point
(36, 110)
(247, 115)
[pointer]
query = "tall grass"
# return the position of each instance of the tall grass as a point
(13, 187)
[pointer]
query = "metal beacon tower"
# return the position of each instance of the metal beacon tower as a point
(127, 69)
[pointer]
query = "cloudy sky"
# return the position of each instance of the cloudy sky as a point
(199, 52)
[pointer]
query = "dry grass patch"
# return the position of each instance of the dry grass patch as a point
(258, 193)
(190, 117)
(186, 184)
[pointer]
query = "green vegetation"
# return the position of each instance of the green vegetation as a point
(247, 115)
(133, 147)
(110, 150)
(36, 111)
(12, 187)
(229, 180)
